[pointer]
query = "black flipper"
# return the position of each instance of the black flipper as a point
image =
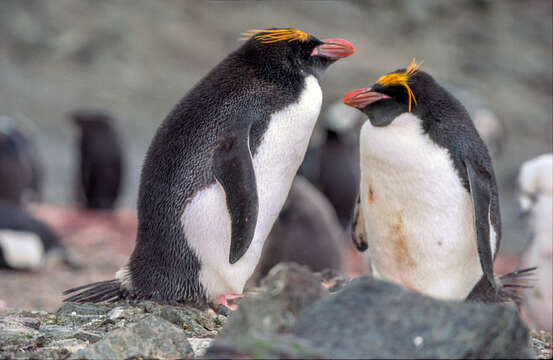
(479, 184)
(233, 168)
(96, 292)
(358, 227)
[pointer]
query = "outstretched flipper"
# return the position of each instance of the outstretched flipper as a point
(233, 169)
(479, 184)
(358, 234)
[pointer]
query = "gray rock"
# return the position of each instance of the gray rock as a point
(274, 308)
(152, 337)
(56, 332)
(287, 291)
(18, 333)
(88, 336)
(199, 346)
(264, 346)
(194, 322)
(77, 314)
(372, 318)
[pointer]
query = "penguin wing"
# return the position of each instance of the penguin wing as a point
(479, 185)
(357, 228)
(233, 168)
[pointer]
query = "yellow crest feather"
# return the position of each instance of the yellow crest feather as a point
(275, 35)
(402, 79)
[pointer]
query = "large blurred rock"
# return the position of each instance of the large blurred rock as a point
(294, 317)
(256, 328)
(372, 318)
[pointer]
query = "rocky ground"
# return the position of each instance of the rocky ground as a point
(293, 314)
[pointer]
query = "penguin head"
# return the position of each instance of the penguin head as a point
(91, 120)
(294, 50)
(407, 90)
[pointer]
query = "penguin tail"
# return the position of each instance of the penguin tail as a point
(510, 288)
(101, 291)
(514, 284)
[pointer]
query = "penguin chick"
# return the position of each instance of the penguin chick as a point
(219, 169)
(20, 167)
(101, 161)
(306, 232)
(536, 200)
(25, 242)
(428, 195)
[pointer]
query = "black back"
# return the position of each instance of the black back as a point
(256, 80)
(101, 161)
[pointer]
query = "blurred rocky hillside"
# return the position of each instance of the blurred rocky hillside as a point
(137, 58)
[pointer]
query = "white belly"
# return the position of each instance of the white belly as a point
(418, 216)
(206, 220)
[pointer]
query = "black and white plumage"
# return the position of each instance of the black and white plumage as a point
(428, 196)
(25, 242)
(219, 169)
(100, 174)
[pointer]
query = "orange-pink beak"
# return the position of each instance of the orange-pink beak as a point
(334, 49)
(360, 98)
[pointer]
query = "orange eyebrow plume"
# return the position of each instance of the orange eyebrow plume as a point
(275, 35)
(402, 79)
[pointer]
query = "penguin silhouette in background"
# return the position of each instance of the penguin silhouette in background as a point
(100, 172)
(306, 232)
(428, 195)
(219, 169)
(536, 201)
(332, 161)
(20, 168)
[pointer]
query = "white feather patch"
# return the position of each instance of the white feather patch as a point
(22, 250)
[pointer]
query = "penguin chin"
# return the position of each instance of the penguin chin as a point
(381, 121)
(384, 112)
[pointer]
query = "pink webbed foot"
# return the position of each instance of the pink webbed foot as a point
(223, 300)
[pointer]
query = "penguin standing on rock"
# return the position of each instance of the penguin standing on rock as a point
(219, 169)
(428, 195)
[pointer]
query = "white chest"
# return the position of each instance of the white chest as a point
(418, 216)
(206, 220)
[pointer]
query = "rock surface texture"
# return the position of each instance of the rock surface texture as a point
(293, 314)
